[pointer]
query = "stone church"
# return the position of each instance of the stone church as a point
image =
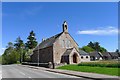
(60, 48)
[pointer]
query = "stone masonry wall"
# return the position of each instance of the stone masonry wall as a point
(58, 50)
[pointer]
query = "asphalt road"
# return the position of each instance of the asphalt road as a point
(17, 71)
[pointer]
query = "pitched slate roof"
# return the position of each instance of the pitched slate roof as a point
(81, 52)
(114, 54)
(67, 52)
(48, 42)
(106, 54)
(96, 54)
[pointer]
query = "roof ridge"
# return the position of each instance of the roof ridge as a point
(48, 42)
(53, 36)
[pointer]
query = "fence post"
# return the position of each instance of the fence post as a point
(50, 65)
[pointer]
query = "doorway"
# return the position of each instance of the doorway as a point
(75, 58)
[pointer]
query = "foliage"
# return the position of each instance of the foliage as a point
(102, 49)
(19, 45)
(100, 70)
(93, 47)
(97, 46)
(10, 55)
(10, 45)
(15, 53)
(117, 50)
(27, 54)
(0, 59)
(91, 44)
(87, 49)
(31, 43)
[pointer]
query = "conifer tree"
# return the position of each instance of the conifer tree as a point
(31, 43)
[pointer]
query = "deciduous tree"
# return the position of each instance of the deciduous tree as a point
(19, 45)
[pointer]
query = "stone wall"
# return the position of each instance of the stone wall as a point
(45, 55)
(58, 49)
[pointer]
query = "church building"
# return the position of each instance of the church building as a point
(60, 48)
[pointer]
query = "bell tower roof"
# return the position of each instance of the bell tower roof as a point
(65, 27)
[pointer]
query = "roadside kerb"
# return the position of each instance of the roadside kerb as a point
(75, 73)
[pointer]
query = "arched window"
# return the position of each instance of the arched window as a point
(67, 43)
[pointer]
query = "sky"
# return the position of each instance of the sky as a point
(87, 21)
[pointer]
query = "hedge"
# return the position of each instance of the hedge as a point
(101, 64)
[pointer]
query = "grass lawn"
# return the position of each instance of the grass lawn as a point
(100, 70)
(110, 64)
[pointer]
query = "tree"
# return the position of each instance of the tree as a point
(27, 55)
(10, 45)
(94, 47)
(117, 50)
(0, 59)
(19, 45)
(14, 57)
(91, 44)
(97, 46)
(102, 49)
(9, 56)
(87, 49)
(9, 48)
(31, 43)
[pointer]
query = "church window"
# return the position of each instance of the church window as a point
(67, 43)
(82, 57)
(86, 56)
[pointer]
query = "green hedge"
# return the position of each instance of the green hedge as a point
(101, 64)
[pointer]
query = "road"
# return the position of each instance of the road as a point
(18, 71)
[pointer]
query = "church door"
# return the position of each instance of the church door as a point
(75, 58)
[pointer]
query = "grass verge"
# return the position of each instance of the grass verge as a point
(100, 70)
(111, 64)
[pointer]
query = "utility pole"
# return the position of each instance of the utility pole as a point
(38, 55)
(22, 54)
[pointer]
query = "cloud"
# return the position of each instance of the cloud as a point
(101, 31)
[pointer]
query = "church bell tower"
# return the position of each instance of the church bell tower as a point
(65, 27)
